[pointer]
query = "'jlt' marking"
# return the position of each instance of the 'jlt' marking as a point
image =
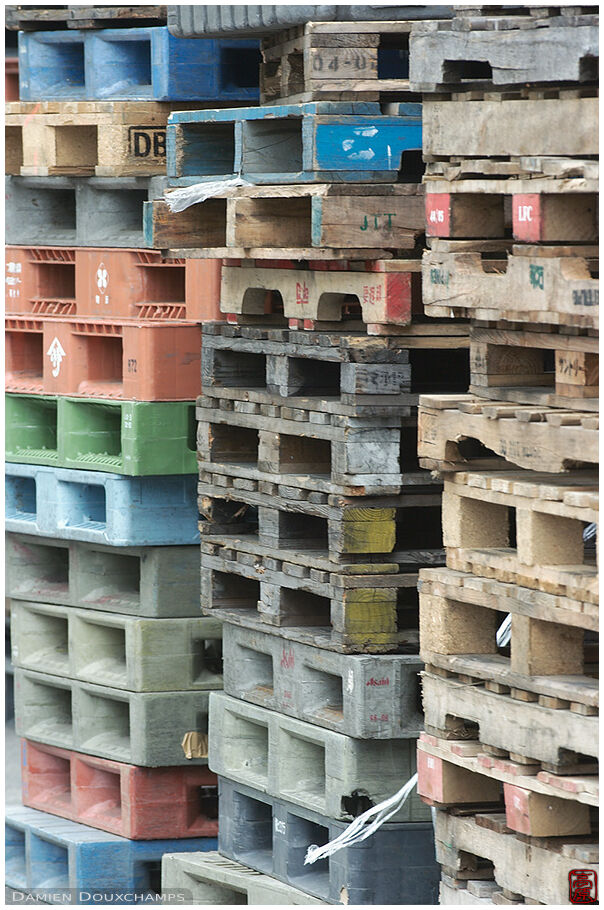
(376, 224)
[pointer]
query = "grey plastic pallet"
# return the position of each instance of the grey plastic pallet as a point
(124, 652)
(307, 765)
(144, 729)
(211, 879)
(79, 211)
(367, 697)
(502, 52)
(332, 373)
(206, 21)
(138, 581)
(396, 865)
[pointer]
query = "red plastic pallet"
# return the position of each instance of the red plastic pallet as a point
(136, 361)
(111, 284)
(138, 803)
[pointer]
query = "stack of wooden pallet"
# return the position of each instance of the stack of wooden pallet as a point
(113, 662)
(508, 629)
(315, 514)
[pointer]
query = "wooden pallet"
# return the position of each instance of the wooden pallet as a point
(322, 452)
(340, 61)
(531, 122)
(459, 618)
(381, 296)
(320, 221)
(462, 706)
(461, 432)
(373, 611)
(543, 210)
(40, 18)
(471, 279)
(544, 367)
(524, 528)
(460, 773)
(499, 53)
(332, 373)
(400, 529)
(528, 870)
(87, 138)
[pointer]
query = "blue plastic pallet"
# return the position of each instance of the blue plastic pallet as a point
(61, 856)
(135, 64)
(292, 143)
(102, 508)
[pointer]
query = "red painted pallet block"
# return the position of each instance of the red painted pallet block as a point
(138, 803)
(111, 284)
(136, 361)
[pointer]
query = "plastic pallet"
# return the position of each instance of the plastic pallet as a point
(294, 143)
(135, 361)
(211, 879)
(144, 729)
(205, 20)
(79, 211)
(111, 283)
(125, 652)
(365, 696)
(138, 803)
(57, 855)
(120, 437)
(305, 764)
(101, 508)
(396, 865)
(137, 581)
(135, 64)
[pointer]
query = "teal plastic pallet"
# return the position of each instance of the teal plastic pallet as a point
(121, 437)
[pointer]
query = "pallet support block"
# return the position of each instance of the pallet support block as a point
(537, 815)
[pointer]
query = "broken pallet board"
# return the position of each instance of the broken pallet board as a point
(460, 432)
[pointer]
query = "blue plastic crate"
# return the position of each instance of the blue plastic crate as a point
(135, 64)
(61, 856)
(102, 508)
(323, 141)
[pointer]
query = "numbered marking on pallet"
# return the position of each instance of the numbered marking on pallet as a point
(147, 141)
(13, 279)
(537, 277)
(586, 297)
(438, 214)
(56, 354)
(439, 276)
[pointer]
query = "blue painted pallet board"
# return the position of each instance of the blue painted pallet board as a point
(57, 855)
(101, 508)
(135, 64)
(318, 142)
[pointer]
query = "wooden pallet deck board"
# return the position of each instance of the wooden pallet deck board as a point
(461, 432)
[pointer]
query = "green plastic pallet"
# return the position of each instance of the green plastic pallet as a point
(123, 437)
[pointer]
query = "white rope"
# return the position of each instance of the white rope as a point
(185, 196)
(358, 830)
(504, 632)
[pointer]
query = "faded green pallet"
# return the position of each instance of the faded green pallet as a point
(123, 437)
